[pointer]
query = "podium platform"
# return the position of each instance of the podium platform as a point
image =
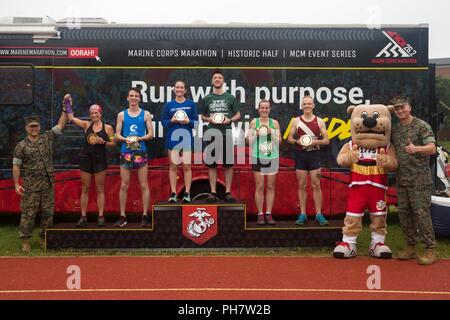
(198, 225)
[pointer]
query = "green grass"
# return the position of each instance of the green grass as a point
(10, 245)
(445, 144)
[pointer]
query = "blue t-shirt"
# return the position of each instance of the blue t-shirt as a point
(134, 126)
(179, 135)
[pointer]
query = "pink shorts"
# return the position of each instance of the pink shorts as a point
(366, 197)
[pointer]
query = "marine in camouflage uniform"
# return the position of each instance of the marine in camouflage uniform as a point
(33, 160)
(414, 182)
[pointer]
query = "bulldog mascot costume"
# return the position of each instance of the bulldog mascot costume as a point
(369, 156)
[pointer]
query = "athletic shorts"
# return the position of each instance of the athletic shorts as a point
(307, 160)
(361, 197)
(133, 159)
(265, 166)
(213, 157)
(93, 163)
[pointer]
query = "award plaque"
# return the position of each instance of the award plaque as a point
(180, 115)
(218, 117)
(92, 138)
(263, 130)
(306, 140)
(133, 143)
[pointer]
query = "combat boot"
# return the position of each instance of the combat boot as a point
(26, 248)
(429, 257)
(407, 254)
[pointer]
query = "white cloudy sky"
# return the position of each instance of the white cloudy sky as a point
(433, 12)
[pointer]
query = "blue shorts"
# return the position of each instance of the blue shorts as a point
(133, 159)
(307, 160)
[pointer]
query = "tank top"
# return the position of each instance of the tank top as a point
(314, 127)
(366, 171)
(264, 147)
(134, 126)
(89, 137)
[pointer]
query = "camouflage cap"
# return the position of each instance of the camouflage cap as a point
(399, 101)
(33, 120)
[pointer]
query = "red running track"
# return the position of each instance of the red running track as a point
(221, 278)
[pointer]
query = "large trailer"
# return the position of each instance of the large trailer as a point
(97, 62)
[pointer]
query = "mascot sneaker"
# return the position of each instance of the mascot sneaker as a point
(380, 250)
(344, 250)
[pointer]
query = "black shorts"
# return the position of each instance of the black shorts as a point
(93, 163)
(265, 166)
(307, 160)
(213, 156)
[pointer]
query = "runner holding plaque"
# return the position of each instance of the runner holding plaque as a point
(220, 110)
(264, 138)
(180, 117)
(308, 133)
(93, 159)
(134, 127)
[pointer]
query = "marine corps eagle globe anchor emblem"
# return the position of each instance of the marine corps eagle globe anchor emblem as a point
(200, 224)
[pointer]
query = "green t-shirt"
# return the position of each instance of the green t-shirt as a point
(412, 168)
(224, 103)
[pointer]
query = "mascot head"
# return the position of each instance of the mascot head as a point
(370, 124)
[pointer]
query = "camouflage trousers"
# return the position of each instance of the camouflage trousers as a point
(414, 203)
(31, 204)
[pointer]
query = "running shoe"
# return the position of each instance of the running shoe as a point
(122, 222)
(302, 218)
(260, 220)
(269, 219)
(145, 221)
(101, 221)
(82, 222)
(186, 198)
(212, 198)
(321, 219)
(229, 197)
(173, 198)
